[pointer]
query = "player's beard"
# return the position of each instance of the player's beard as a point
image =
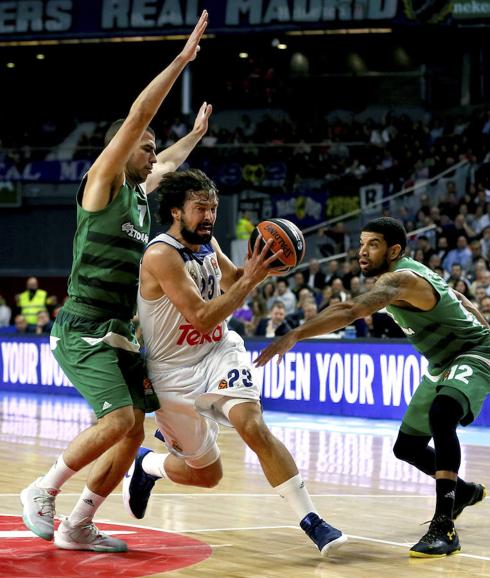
(193, 237)
(379, 270)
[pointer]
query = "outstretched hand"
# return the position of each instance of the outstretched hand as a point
(191, 47)
(202, 118)
(278, 347)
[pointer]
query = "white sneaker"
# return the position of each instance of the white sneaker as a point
(38, 514)
(86, 537)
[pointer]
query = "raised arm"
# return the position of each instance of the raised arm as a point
(390, 288)
(172, 157)
(107, 173)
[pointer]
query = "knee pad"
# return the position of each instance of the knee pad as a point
(444, 415)
(408, 447)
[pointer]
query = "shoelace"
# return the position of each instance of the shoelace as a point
(433, 532)
(46, 505)
(89, 532)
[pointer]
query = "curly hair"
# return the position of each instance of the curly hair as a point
(177, 187)
(392, 230)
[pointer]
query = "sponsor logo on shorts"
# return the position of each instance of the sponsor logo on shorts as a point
(223, 384)
(106, 405)
(148, 386)
(190, 336)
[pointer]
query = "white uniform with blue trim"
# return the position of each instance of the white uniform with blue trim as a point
(192, 373)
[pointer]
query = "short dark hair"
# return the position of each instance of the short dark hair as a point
(392, 230)
(115, 126)
(176, 188)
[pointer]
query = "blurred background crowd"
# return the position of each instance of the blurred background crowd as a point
(326, 123)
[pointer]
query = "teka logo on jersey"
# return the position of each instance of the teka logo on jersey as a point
(191, 336)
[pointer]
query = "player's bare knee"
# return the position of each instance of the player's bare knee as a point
(255, 434)
(118, 423)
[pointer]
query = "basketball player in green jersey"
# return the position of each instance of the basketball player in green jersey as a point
(92, 338)
(454, 337)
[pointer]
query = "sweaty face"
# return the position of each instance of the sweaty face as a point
(198, 217)
(373, 254)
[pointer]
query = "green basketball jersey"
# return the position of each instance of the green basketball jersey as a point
(446, 331)
(107, 250)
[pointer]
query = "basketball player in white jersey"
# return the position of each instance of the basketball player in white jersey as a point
(199, 368)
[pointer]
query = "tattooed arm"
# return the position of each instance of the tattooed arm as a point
(390, 287)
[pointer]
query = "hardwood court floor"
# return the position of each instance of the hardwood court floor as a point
(379, 502)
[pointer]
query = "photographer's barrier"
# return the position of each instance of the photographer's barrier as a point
(361, 378)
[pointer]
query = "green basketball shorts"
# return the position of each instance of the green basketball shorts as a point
(102, 360)
(467, 380)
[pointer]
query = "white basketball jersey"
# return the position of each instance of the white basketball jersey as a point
(170, 340)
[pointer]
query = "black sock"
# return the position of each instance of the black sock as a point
(445, 491)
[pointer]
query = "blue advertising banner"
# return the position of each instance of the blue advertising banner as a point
(45, 171)
(305, 209)
(62, 19)
(27, 365)
(348, 378)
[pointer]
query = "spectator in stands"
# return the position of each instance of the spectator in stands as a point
(463, 287)
(299, 282)
(21, 325)
(455, 274)
(44, 323)
(355, 286)
(339, 289)
(244, 227)
(5, 313)
(461, 254)
(485, 243)
(283, 293)
(275, 324)
(268, 290)
(310, 309)
(442, 247)
(434, 261)
(315, 278)
(32, 300)
(332, 271)
(424, 245)
(484, 306)
(463, 228)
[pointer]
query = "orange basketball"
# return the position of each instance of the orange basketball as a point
(286, 236)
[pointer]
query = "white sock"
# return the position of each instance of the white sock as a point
(153, 464)
(57, 475)
(85, 509)
(297, 496)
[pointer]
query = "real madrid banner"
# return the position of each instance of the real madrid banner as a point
(62, 19)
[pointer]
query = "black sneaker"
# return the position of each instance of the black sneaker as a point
(478, 493)
(441, 540)
(326, 537)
